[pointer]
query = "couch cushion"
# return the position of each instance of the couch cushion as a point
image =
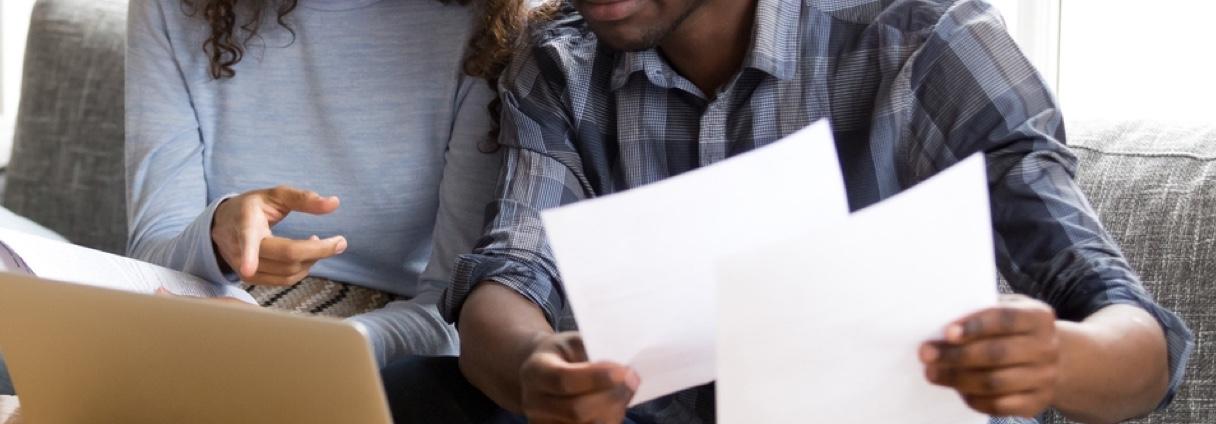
(67, 165)
(1154, 187)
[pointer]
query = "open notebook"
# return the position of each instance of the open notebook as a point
(21, 253)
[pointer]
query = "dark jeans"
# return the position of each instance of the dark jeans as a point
(6, 382)
(432, 390)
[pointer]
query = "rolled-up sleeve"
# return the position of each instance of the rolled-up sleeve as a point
(974, 91)
(539, 171)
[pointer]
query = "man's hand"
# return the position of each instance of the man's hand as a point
(1003, 360)
(560, 386)
(242, 237)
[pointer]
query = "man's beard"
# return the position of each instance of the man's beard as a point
(654, 35)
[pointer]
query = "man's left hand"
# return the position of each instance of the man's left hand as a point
(1002, 361)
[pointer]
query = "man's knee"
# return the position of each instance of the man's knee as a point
(6, 382)
(423, 389)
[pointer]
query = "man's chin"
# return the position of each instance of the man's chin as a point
(625, 39)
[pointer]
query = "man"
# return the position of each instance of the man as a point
(634, 91)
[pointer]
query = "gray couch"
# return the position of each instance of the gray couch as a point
(1154, 184)
(67, 166)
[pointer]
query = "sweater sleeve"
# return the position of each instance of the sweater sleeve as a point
(168, 214)
(470, 176)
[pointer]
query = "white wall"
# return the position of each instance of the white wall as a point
(14, 25)
(1124, 59)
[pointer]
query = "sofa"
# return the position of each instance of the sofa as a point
(1154, 184)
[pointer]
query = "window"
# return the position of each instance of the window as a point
(14, 24)
(1120, 59)
(1035, 24)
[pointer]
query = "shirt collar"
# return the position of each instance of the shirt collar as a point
(774, 49)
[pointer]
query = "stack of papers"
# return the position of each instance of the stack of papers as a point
(751, 272)
(825, 327)
(639, 266)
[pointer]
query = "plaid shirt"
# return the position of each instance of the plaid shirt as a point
(910, 88)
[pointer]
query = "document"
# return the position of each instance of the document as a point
(638, 266)
(54, 260)
(825, 327)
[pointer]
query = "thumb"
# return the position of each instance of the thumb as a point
(250, 245)
(288, 199)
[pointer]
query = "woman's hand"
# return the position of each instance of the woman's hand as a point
(241, 234)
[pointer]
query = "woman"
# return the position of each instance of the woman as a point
(239, 112)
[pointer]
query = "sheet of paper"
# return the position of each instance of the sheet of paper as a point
(824, 328)
(60, 261)
(638, 266)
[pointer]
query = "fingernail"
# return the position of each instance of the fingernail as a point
(954, 332)
(633, 380)
(314, 237)
(929, 353)
(341, 247)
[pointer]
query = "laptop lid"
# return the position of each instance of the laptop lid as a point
(80, 354)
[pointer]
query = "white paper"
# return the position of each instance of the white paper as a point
(54, 260)
(638, 266)
(825, 328)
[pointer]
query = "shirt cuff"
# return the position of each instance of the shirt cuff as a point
(518, 275)
(201, 260)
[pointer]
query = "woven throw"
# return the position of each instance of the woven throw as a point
(319, 296)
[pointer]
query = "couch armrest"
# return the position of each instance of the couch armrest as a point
(66, 171)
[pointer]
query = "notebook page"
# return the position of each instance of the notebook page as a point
(55, 260)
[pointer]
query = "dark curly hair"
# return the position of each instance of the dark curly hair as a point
(235, 22)
(225, 46)
(500, 31)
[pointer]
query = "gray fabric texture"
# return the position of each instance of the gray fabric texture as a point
(67, 165)
(1154, 185)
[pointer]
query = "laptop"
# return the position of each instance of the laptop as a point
(81, 354)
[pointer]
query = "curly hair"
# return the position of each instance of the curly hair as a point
(499, 32)
(224, 46)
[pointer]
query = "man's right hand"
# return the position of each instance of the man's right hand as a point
(241, 233)
(558, 385)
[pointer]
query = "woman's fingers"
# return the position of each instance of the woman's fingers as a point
(276, 267)
(241, 225)
(264, 279)
(283, 262)
(300, 251)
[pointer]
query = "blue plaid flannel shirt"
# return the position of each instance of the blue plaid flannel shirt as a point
(910, 87)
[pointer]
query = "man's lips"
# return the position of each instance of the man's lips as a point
(608, 10)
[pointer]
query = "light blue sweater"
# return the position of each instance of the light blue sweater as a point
(367, 102)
